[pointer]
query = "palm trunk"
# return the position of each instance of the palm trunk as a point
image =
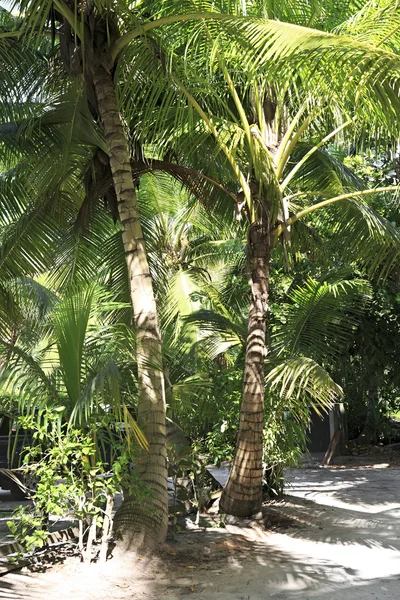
(242, 495)
(138, 521)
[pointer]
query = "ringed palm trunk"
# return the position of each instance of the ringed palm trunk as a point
(138, 522)
(242, 495)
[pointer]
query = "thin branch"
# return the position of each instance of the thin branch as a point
(389, 35)
(303, 213)
(14, 34)
(236, 99)
(209, 124)
(286, 138)
(298, 166)
(260, 111)
(67, 13)
(175, 169)
(287, 147)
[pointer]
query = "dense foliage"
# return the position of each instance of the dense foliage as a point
(248, 154)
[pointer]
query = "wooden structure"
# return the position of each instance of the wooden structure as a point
(323, 434)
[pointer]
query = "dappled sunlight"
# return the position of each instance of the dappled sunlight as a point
(17, 586)
(360, 590)
(362, 490)
(329, 552)
(267, 567)
(78, 581)
(294, 562)
(313, 549)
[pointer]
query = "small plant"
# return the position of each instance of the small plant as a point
(284, 443)
(377, 428)
(191, 483)
(73, 478)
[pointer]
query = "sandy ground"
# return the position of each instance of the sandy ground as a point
(335, 536)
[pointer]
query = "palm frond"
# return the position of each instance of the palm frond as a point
(70, 322)
(321, 317)
(25, 378)
(301, 378)
(362, 235)
(99, 393)
(219, 333)
(323, 173)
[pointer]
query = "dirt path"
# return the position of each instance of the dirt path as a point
(336, 536)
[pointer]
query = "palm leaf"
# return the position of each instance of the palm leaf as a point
(70, 322)
(322, 317)
(299, 378)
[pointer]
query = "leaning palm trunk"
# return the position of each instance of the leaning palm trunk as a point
(138, 522)
(242, 495)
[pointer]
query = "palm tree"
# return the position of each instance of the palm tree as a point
(111, 59)
(308, 333)
(259, 133)
(269, 203)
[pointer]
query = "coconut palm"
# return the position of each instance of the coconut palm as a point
(271, 139)
(271, 211)
(109, 55)
(373, 241)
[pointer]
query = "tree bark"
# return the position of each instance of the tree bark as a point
(138, 522)
(242, 495)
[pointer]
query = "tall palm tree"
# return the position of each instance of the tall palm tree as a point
(112, 52)
(309, 332)
(269, 138)
(269, 204)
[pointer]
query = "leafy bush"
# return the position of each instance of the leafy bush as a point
(284, 442)
(75, 475)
